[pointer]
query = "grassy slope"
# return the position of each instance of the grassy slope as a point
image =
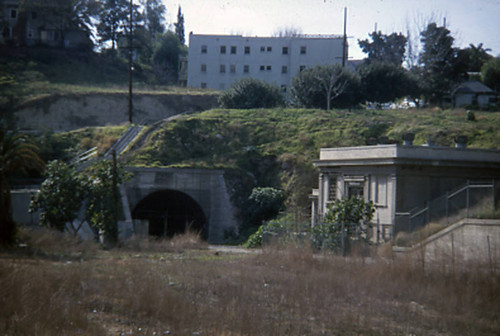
(276, 147)
(217, 137)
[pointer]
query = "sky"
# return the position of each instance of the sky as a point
(470, 21)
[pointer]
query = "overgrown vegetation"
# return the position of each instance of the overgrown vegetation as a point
(251, 93)
(275, 148)
(277, 292)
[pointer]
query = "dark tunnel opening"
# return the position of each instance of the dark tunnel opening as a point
(170, 212)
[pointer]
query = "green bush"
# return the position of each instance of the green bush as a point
(255, 240)
(251, 93)
(470, 116)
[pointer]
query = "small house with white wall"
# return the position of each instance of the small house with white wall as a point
(403, 179)
(474, 93)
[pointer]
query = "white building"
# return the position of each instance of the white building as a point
(409, 185)
(216, 61)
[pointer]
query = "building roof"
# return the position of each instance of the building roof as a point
(399, 154)
(473, 87)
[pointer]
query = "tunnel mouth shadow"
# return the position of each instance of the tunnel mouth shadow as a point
(170, 212)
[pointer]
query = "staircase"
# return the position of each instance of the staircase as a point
(122, 144)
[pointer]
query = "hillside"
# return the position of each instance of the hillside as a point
(276, 147)
(28, 74)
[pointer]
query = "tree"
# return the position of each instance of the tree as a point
(325, 86)
(61, 196)
(384, 48)
(470, 59)
(288, 31)
(113, 18)
(264, 203)
(250, 93)
(165, 57)
(66, 15)
(347, 219)
(154, 18)
(490, 73)
(384, 82)
(437, 60)
(103, 202)
(16, 156)
(179, 27)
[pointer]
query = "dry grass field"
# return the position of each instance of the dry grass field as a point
(55, 285)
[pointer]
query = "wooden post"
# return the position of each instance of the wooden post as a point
(447, 208)
(467, 200)
(130, 66)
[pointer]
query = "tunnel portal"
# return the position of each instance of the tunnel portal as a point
(170, 212)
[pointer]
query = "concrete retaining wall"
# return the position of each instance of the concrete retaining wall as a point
(68, 112)
(469, 240)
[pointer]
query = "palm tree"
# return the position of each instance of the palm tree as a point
(16, 156)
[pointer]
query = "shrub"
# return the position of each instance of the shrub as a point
(263, 204)
(470, 116)
(251, 93)
(255, 240)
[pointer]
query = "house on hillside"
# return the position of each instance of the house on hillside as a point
(29, 27)
(409, 185)
(474, 93)
(216, 61)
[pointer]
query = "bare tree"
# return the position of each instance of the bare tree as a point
(330, 80)
(414, 26)
(288, 31)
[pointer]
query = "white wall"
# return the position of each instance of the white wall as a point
(318, 50)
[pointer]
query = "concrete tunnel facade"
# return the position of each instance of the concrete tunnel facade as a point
(165, 201)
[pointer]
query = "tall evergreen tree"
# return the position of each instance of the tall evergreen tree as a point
(179, 26)
(154, 17)
(437, 60)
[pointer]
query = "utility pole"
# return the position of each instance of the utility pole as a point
(344, 43)
(130, 65)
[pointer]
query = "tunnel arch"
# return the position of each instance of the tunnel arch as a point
(170, 212)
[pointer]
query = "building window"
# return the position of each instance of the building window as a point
(222, 49)
(262, 68)
(203, 49)
(284, 69)
(283, 88)
(233, 50)
(269, 49)
(302, 67)
(34, 15)
(203, 68)
(247, 50)
(222, 68)
(13, 13)
(303, 50)
(246, 68)
(332, 188)
(268, 68)
(262, 49)
(203, 85)
(232, 68)
(285, 51)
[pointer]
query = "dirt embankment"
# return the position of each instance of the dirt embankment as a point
(68, 112)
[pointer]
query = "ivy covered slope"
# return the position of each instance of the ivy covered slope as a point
(219, 138)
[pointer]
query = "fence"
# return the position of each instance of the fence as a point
(472, 200)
